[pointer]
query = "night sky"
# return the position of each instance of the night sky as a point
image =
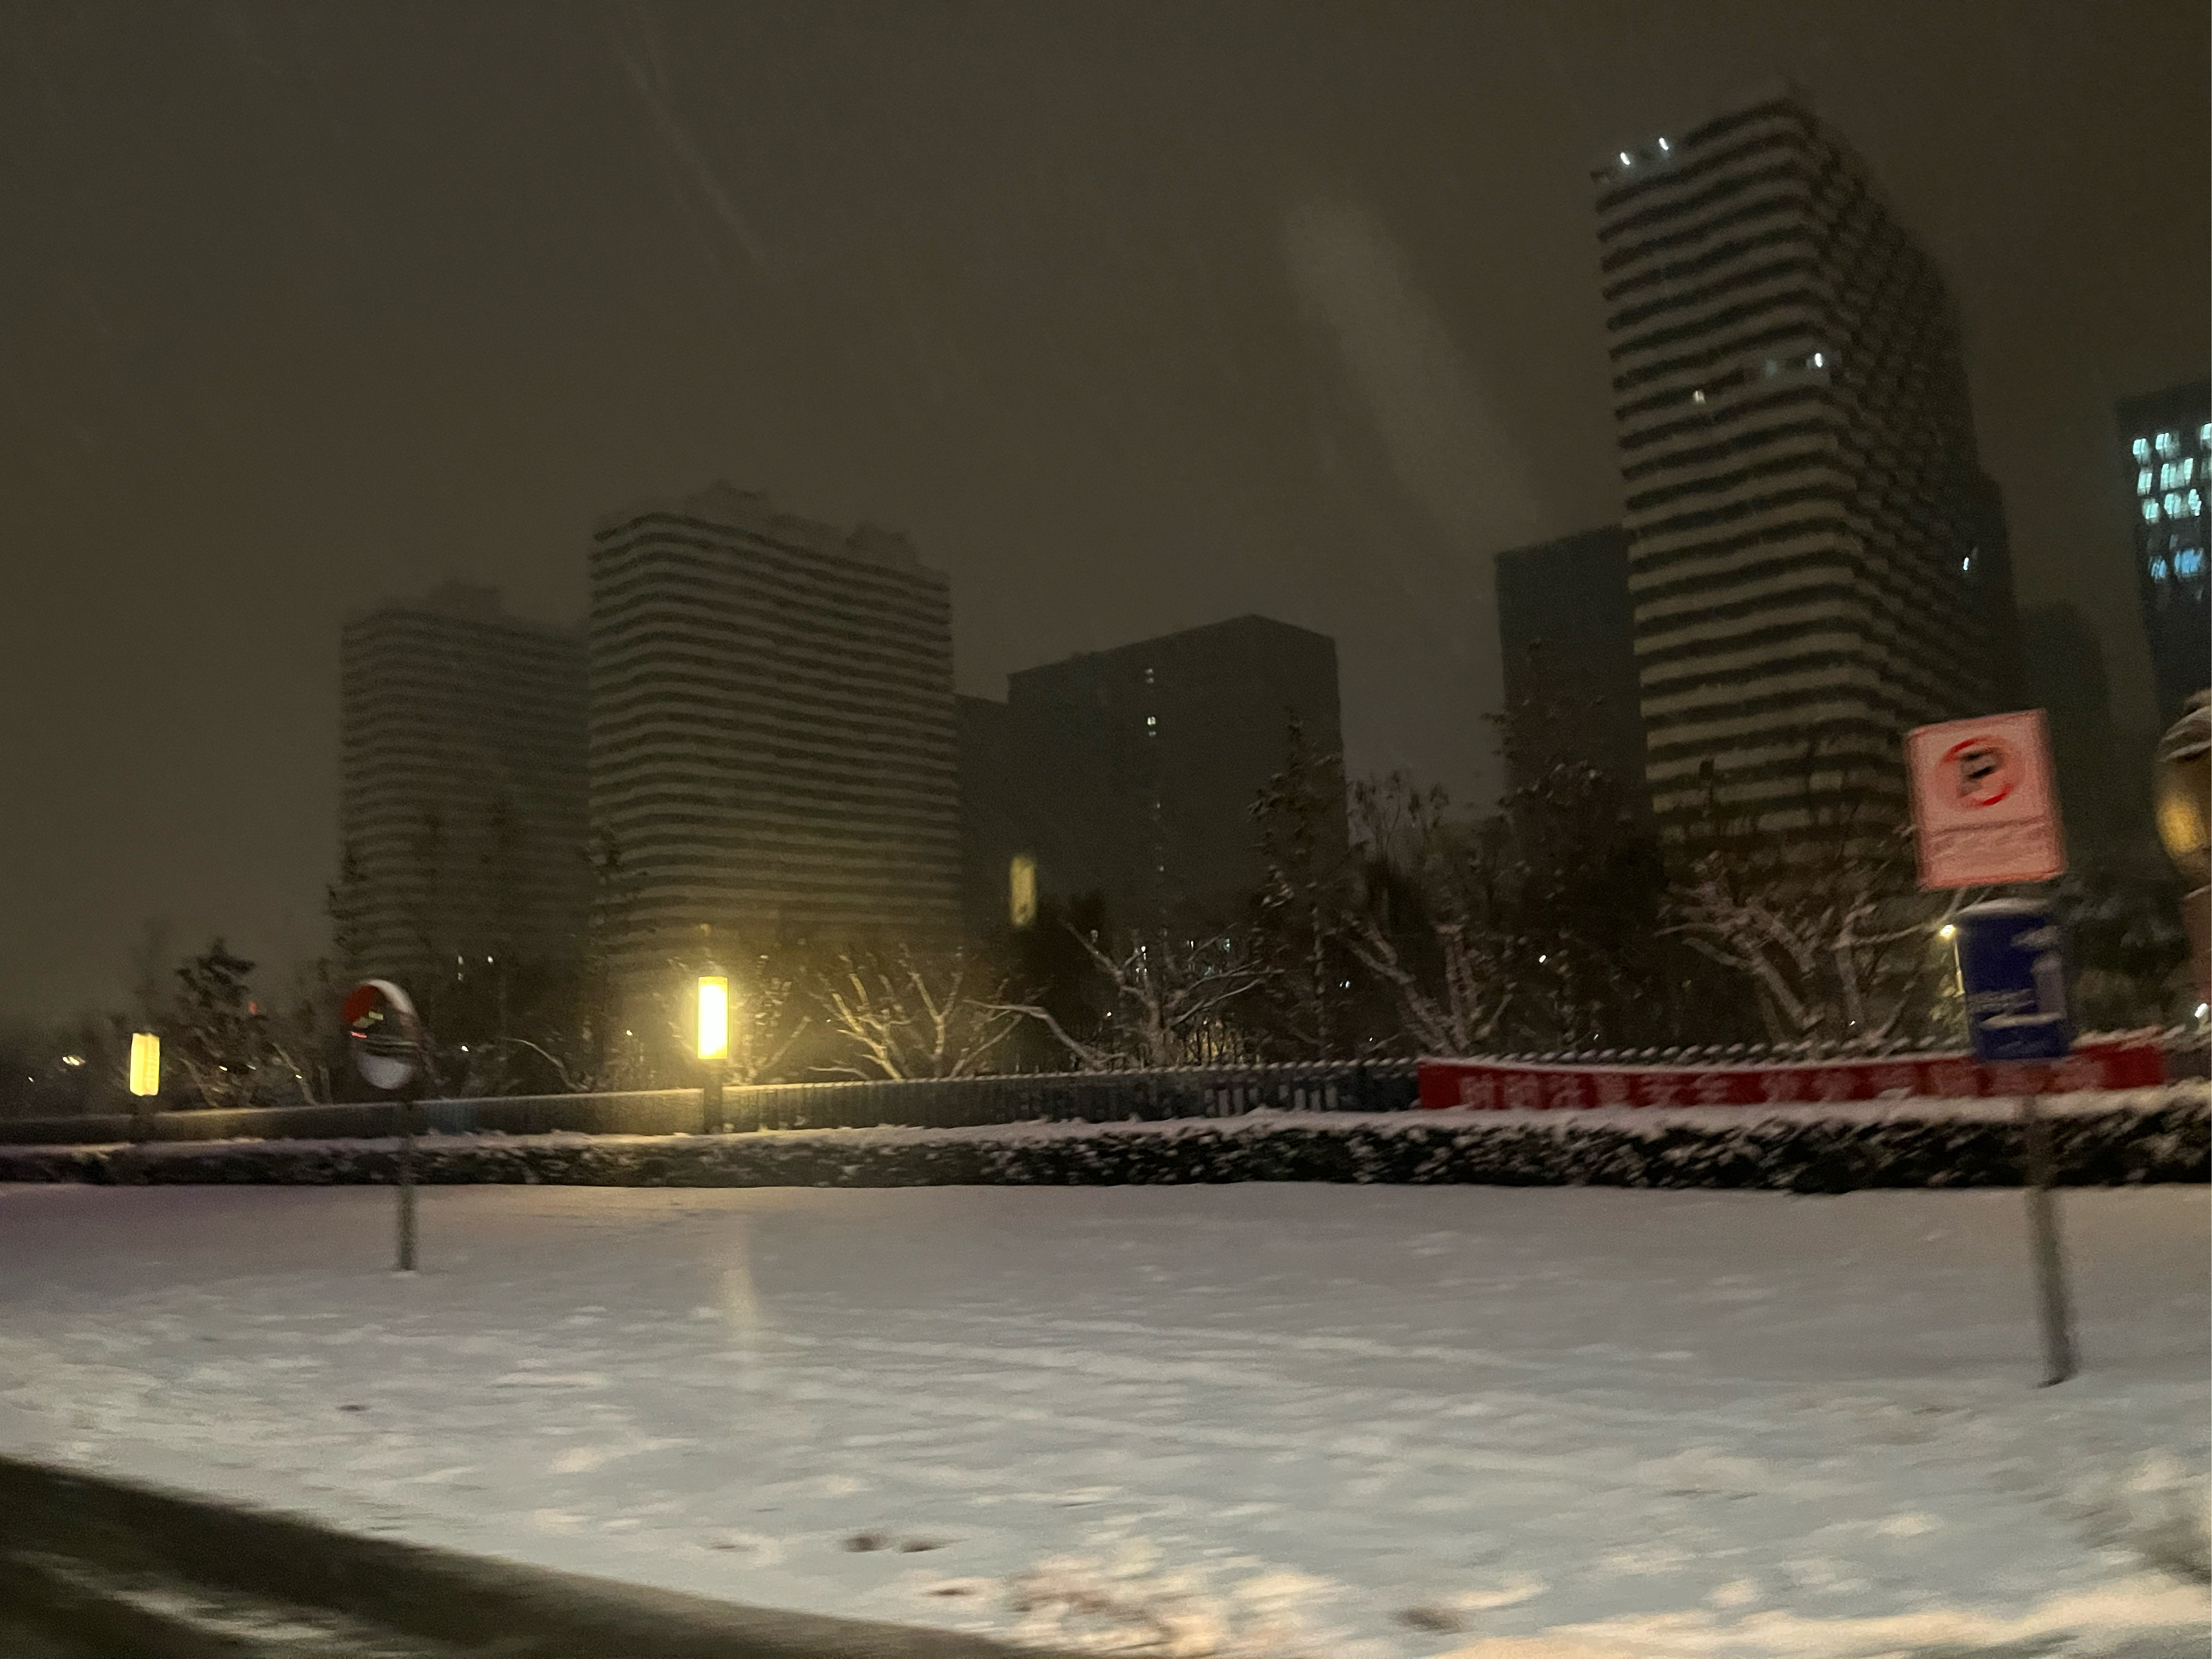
(1135, 316)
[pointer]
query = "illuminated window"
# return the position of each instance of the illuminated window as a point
(2143, 481)
(2158, 569)
(2186, 468)
(2167, 444)
(2195, 503)
(2150, 511)
(1624, 162)
(2174, 505)
(1819, 361)
(2190, 561)
(1151, 726)
(2140, 449)
(1021, 891)
(2204, 433)
(1662, 146)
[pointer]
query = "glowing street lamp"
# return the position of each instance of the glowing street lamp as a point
(145, 1064)
(713, 1017)
(713, 1033)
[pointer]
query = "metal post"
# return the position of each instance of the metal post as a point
(710, 1101)
(407, 1180)
(2057, 1316)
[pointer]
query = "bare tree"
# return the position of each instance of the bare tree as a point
(898, 1015)
(1304, 899)
(1455, 1002)
(1822, 914)
(1169, 999)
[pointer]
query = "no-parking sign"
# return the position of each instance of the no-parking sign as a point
(1984, 802)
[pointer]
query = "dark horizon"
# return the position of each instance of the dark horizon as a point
(1132, 319)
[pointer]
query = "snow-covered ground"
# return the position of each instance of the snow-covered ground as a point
(1278, 1420)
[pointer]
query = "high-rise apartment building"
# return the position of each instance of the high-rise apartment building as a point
(2165, 439)
(771, 730)
(1132, 774)
(1804, 498)
(462, 822)
(1566, 636)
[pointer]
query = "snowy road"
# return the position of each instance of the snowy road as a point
(1504, 1424)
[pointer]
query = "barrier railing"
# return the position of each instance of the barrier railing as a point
(931, 1103)
(1742, 1073)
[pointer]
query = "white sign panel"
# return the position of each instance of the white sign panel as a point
(1984, 802)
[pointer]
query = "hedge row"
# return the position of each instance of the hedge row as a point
(2149, 1135)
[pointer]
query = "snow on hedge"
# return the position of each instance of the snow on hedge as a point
(2107, 1138)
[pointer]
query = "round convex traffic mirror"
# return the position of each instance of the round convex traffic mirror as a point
(383, 1032)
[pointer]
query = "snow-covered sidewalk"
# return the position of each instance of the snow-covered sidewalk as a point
(1297, 1419)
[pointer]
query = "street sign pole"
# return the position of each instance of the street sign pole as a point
(407, 1179)
(387, 1039)
(2014, 970)
(1985, 811)
(2052, 1303)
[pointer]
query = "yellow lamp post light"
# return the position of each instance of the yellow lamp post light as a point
(713, 1044)
(145, 1064)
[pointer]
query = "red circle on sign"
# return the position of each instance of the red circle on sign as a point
(359, 1001)
(1984, 770)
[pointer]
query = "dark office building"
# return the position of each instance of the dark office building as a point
(1131, 773)
(2166, 440)
(1805, 500)
(2103, 773)
(1566, 632)
(461, 805)
(771, 728)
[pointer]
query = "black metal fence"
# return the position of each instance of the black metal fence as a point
(949, 1103)
(1380, 1085)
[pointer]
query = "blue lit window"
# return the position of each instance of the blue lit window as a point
(2168, 444)
(2158, 570)
(2140, 449)
(2190, 561)
(2143, 482)
(2185, 470)
(2174, 508)
(2150, 511)
(2196, 505)
(2204, 433)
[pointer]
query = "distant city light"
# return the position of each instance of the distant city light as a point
(1819, 361)
(1966, 563)
(1662, 143)
(1697, 396)
(72, 1059)
(1624, 162)
(1946, 931)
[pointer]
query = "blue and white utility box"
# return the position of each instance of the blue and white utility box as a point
(2012, 968)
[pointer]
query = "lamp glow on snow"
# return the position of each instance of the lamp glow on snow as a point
(713, 1017)
(145, 1064)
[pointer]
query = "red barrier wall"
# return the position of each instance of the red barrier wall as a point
(2131, 1061)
